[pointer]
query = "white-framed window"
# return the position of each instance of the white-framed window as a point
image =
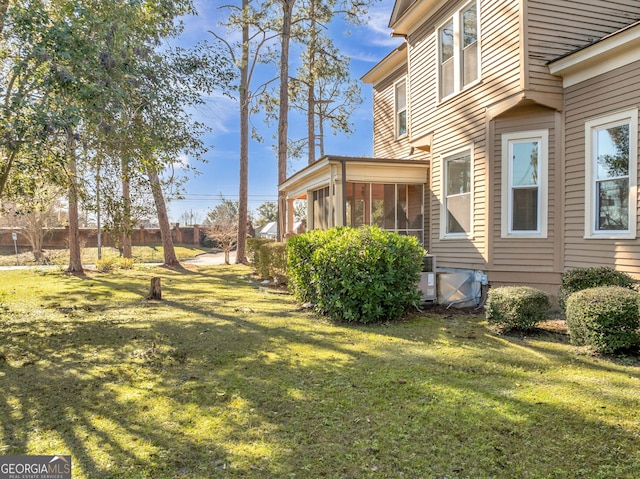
(400, 94)
(525, 184)
(458, 51)
(611, 159)
(457, 185)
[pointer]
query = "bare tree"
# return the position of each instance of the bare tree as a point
(221, 225)
(34, 216)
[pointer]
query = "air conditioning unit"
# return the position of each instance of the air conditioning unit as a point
(427, 285)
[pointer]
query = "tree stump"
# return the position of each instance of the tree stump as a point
(155, 292)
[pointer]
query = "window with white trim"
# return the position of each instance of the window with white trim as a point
(401, 108)
(610, 175)
(458, 51)
(457, 182)
(524, 184)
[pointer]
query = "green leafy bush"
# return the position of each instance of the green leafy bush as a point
(253, 250)
(606, 318)
(268, 258)
(583, 278)
(364, 275)
(300, 266)
(516, 307)
(273, 262)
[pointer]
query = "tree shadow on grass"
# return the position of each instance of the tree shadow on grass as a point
(231, 384)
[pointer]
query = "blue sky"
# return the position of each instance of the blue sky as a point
(365, 45)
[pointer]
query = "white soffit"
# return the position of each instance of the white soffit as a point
(614, 51)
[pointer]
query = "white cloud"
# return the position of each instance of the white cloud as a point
(181, 162)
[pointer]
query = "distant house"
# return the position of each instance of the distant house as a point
(505, 139)
(270, 230)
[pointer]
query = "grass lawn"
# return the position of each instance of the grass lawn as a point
(141, 254)
(223, 379)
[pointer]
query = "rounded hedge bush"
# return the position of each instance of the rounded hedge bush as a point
(516, 308)
(363, 275)
(606, 318)
(583, 278)
(300, 266)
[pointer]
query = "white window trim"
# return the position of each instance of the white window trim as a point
(452, 155)
(457, 80)
(543, 189)
(623, 117)
(395, 108)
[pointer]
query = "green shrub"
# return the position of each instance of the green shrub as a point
(606, 318)
(300, 266)
(273, 262)
(253, 246)
(516, 307)
(364, 275)
(583, 278)
(268, 258)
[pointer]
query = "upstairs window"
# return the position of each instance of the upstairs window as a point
(401, 108)
(458, 51)
(611, 158)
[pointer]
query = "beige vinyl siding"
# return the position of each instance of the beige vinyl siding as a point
(385, 144)
(460, 120)
(534, 254)
(598, 97)
(555, 28)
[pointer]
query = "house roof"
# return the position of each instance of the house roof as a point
(353, 169)
(611, 51)
(387, 65)
(408, 14)
(269, 228)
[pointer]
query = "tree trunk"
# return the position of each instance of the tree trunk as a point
(243, 195)
(283, 121)
(126, 217)
(4, 6)
(155, 290)
(6, 160)
(170, 258)
(75, 254)
(311, 101)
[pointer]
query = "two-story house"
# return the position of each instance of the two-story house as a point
(505, 139)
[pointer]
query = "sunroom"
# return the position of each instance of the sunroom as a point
(353, 191)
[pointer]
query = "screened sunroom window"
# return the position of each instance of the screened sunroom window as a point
(392, 207)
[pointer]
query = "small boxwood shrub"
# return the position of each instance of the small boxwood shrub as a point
(583, 278)
(363, 275)
(516, 308)
(606, 318)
